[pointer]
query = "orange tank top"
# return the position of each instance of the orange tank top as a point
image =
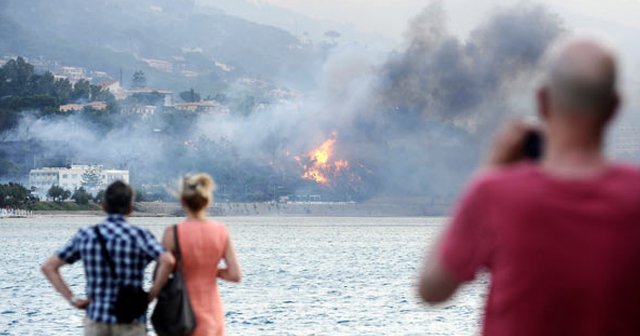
(202, 245)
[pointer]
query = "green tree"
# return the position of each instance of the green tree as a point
(63, 90)
(139, 80)
(100, 94)
(140, 196)
(16, 74)
(14, 195)
(81, 90)
(57, 194)
(81, 196)
(8, 118)
(44, 84)
(190, 96)
(99, 197)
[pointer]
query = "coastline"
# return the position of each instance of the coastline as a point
(374, 208)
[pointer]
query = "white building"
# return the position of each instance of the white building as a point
(72, 178)
(74, 74)
(115, 88)
(209, 106)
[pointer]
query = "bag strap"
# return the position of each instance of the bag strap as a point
(176, 244)
(105, 253)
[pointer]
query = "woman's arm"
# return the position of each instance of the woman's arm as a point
(166, 262)
(232, 271)
(164, 266)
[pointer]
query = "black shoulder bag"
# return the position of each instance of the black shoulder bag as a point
(131, 301)
(173, 315)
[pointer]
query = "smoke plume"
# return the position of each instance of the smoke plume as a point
(410, 125)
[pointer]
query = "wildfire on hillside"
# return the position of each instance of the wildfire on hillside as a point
(320, 166)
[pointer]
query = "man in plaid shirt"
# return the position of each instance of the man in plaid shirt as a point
(131, 249)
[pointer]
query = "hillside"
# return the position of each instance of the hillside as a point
(110, 35)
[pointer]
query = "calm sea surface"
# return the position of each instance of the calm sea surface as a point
(302, 276)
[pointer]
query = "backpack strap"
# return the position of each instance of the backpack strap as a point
(176, 244)
(105, 253)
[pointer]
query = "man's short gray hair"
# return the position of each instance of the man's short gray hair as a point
(580, 74)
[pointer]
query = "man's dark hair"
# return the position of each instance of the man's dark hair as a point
(118, 198)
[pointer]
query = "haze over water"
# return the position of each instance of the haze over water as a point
(302, 276)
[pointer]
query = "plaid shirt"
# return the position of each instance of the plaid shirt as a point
(131, 248)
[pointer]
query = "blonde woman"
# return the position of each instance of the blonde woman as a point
(203, 243)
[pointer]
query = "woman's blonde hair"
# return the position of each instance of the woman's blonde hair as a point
(197, 191)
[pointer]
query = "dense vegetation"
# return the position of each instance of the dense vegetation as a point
(21, 89)
(240, 179)
(16, 196)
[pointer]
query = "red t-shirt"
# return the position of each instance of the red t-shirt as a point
(564, 254)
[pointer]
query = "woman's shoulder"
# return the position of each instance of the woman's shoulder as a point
(217, 224)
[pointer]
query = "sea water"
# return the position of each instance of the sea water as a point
(302, 276)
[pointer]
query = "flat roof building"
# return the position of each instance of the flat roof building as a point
(92, 178)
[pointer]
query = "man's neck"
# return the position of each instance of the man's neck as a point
(574, 159)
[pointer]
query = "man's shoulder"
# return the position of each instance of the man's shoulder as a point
(134, 229)
(86, 230)
(626, 170)
(495, 177)
(530, 174)
(121, 226)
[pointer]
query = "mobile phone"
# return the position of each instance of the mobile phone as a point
(533, 145)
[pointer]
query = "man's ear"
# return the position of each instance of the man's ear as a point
(612, 111)
(543, 102)
(129, 209)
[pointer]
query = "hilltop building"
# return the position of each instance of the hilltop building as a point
(96, 105)
(74, 177)
(115, 88)
(74, 74)
(167, 96)
(209, 106)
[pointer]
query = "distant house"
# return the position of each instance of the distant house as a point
(167, 95)
(96, 105)
(159, 64)
(100, 74)
(74, 74)
(145, 111)
(114, 87)
(71, 178)
(209, 106)
(71, 107)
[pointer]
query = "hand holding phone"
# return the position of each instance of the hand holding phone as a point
(517, 141)
(533, 145)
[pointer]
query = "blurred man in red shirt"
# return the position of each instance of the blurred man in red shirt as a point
(561, 237)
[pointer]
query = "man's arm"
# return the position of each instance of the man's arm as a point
(51, 269)
(436, 283)
(465, 241)
(166, 262)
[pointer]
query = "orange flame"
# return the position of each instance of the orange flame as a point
(321, 167)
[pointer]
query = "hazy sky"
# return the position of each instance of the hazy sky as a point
(386, 20)
(389, 17)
